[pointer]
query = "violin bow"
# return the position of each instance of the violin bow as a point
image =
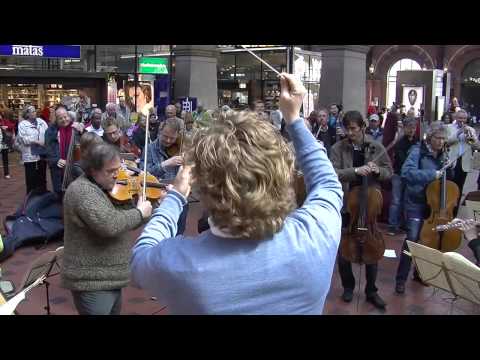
(147, 136)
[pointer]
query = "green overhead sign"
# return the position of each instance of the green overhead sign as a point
(153, 65)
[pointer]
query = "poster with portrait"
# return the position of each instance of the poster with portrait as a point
(413, 98)
(145, 96)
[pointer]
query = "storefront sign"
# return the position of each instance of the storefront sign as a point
(153, 65)
(45, 51)
(189, 104)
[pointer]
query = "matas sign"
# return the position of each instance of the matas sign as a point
(27, 50)
(45, 51)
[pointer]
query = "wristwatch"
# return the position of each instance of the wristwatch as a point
(355, 170)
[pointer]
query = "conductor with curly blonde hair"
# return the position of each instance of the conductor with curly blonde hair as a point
(261, 255)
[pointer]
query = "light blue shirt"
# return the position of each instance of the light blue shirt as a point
(289, 273)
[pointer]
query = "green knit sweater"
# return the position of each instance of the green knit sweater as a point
(97, 247)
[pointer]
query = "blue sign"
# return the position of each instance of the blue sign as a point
(189, 104)
(44, 51)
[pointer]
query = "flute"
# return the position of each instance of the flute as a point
(455, 225)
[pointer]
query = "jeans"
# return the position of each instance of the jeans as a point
(98, 302)
(395, 214)
(415, 214)
(348, 280)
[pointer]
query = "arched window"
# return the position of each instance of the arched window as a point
(404, 64)
(471, 73)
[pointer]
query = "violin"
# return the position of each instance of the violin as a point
(442, 198)
(363, 243)
(128, 186)
(127, 147)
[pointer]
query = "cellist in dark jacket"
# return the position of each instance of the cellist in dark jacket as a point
(421, 167)
(351, 164)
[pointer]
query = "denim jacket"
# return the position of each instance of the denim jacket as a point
(156, 155)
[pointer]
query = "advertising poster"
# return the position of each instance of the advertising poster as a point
(413, 98)
(145, 96)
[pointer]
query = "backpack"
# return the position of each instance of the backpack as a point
(37, 221)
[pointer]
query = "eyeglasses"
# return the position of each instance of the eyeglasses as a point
(113, 132)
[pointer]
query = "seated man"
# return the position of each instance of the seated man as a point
(261, 255)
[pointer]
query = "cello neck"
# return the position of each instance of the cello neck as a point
(443, 191)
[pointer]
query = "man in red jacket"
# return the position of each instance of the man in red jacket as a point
(7, 135)
(45, 114)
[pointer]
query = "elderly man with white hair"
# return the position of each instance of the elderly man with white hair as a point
(112, 111)
(462, 140)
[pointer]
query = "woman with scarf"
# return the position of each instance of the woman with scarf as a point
(57, 141)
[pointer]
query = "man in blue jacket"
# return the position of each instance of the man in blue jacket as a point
(261, 254)
(421, 167)
(160, 164)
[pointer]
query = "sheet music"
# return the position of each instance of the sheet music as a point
(451, 271)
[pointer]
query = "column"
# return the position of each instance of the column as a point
(196, 73)
(344, 75)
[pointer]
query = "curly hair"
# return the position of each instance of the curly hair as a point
(243, 170)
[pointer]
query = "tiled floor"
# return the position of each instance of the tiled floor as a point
(418, 300)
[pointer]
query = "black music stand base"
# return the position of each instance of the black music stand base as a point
(47, 307)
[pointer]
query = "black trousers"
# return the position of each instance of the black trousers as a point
(36, 176)
(474, 245)
(348, 280)
(5, 162)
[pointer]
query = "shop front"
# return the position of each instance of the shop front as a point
(242, 79)
(19, 89)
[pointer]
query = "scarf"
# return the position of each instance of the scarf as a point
(65, 138)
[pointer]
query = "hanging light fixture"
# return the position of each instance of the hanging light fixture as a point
(371, 68)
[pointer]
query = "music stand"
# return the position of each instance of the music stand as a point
(449, 271)
(43, 266)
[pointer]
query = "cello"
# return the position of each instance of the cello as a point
(73, 155)
(442, 198)
(363, 243)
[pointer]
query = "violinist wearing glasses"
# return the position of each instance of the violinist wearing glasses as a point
(462, 140)
(360, 162)
(113, 135)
